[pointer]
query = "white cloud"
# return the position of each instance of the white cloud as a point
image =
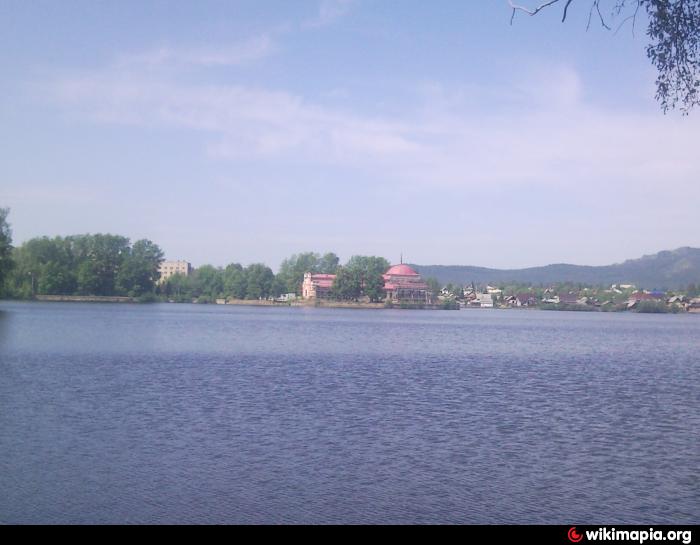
(236, 54)
(329, 11)
(247, 121)
(533, 131)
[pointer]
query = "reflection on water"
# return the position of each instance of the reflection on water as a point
(187, 413)
(3, 320)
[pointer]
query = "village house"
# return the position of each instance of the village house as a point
(317, 286)
(521, 300)
(483, 300)
(568, 299)
(694, 305)
(638, 296)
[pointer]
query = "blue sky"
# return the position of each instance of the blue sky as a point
(250, 130)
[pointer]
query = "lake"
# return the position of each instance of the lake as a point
(226, 414)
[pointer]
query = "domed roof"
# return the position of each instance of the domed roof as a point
(401, 270)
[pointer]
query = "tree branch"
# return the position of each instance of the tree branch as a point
(566, 7)
(633, 17)
(602, 20)
(534, 11)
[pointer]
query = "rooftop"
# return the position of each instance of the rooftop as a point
(401, 270)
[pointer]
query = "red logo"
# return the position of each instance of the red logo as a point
(574, 536)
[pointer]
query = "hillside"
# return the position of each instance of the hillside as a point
(665, 270)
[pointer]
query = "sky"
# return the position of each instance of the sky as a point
(247, 131)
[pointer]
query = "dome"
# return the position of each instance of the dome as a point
(401, 270)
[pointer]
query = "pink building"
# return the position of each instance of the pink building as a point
(402, 283)
(317, 286)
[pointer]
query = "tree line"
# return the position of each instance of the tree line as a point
(360, 276)
(77, 265)
(83, 265)
(105, 264)
(109, 265)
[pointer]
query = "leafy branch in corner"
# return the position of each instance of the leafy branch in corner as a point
(674, 41)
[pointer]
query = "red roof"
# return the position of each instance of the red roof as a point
(641, 296)
(323, 280)
(401, 270)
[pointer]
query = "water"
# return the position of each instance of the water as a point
(211, 414)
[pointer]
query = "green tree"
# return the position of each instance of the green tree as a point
(88, 279)
(179, 288)
(235, 284)
(139, 270)
(43, 266)
(100, 257)
(434, 285)
(374, 278)
(208, 281)
(85, 264)
(328, 264)
(292, 270)
(259, 279)
(29, 260)
(347, 285)
(278, 287)
(5, 247)
(369, 270)
(56, 278)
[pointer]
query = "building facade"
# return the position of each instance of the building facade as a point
(317, 286)
(402, 283)
(483, 300)
(169, 268)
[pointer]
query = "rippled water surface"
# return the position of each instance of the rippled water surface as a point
(208, 414)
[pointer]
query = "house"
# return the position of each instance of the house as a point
(568, 299)
(483, 300)
(317, 286)
(522, 300)
(638, 296)
(694, 305)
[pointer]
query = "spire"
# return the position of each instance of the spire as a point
(401, 258)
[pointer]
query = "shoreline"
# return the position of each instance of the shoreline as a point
(82, 299)
(315, 304)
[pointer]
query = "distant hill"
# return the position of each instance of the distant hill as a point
(665, 270)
